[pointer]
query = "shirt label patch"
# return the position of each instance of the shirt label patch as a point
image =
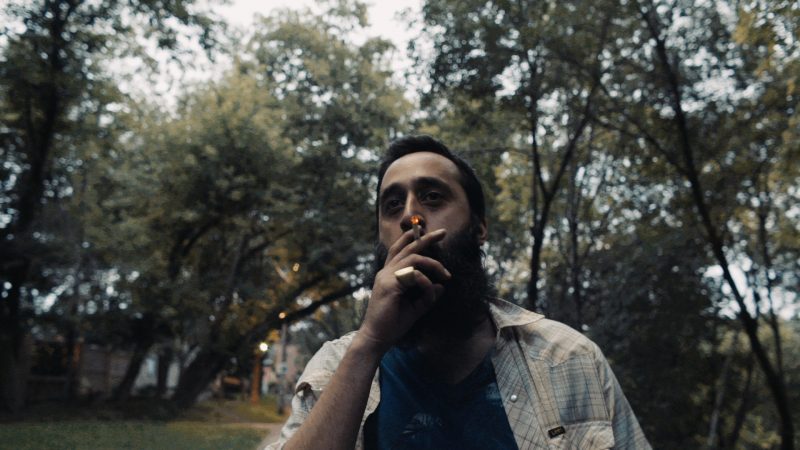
(557, 431)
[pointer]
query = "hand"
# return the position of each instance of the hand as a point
(393, 308)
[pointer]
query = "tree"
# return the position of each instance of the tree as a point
(511, 54)
(48, 77)
(690, 119)
(698, 133)
(254, 199)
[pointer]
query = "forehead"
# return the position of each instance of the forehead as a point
(421, 165)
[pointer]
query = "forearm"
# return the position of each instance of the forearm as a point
(334, 421)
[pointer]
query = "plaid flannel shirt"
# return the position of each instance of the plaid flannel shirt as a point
(557, 387)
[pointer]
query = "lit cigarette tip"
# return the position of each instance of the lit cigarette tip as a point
(415, 224)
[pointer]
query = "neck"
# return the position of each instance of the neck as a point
(434, 342)
(452, 359)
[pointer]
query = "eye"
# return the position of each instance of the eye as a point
(432, 197)
(391, 205)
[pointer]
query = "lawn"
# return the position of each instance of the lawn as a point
(127, 435)
(142, 424)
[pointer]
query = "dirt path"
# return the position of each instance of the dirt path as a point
(269, 431)
(272, 431)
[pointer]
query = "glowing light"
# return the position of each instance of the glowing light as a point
(296, 267)
(282, 315)
(263, 346)
(415, 221)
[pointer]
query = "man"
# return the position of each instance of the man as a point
(437, 363)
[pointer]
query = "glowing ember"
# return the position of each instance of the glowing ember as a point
(415, 221)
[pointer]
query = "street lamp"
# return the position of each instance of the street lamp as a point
(283, 366)
(255, 384)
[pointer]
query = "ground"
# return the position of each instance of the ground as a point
(142, 424)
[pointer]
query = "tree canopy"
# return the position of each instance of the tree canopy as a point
(640, 160)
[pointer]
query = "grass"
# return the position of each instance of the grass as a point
(140, 424)
(127, 435)
(223, 411)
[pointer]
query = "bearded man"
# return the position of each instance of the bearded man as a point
(438, 363)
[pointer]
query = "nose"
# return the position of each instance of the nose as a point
(412, 208)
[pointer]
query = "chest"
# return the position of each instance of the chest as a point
(418, 412)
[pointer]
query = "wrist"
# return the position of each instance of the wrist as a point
(369, 347)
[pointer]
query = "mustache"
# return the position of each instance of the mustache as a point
(464, 302)
(463, 245)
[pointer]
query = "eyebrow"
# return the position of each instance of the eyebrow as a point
(391, 190)
(417, 183)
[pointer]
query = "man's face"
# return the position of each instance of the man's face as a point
(426, 184)
(464, 302)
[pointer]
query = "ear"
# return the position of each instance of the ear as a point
(483, 231)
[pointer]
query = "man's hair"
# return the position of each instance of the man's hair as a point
(422, 143)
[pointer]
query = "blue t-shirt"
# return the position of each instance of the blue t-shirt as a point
(416, 412)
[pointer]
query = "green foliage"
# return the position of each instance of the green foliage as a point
(253, 197)
(193, 228)
(648, 309)
(56, 101)
(623, 252)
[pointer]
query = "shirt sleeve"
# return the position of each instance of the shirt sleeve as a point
(315, 377)
(303, 400)
(627, 432)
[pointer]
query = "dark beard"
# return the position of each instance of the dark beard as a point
(464, 303)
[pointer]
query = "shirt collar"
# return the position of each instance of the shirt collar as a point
(505, 314)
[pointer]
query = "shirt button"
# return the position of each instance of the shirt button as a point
(513, 397)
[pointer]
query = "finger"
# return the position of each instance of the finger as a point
(404, 239)
(420, 245)
(432, 268)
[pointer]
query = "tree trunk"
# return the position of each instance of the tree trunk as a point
(10, 381)
(11, 343)
(774, 377)
(198, 375)
(744, 407)
(719, 400)
(210, 361)
(573, 206)
(164, 361)
(73, 347)
(537, 232)
(42, 114)
(123, 390)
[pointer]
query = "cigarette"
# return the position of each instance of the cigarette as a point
(415, 220)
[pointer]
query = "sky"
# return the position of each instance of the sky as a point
(383, 17)
(381, 14)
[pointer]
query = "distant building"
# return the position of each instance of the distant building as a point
(98, 369)
(274, 367)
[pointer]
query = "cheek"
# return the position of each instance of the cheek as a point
(386, 235)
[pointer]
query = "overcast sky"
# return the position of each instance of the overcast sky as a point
(382, 14)
(172, 77)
